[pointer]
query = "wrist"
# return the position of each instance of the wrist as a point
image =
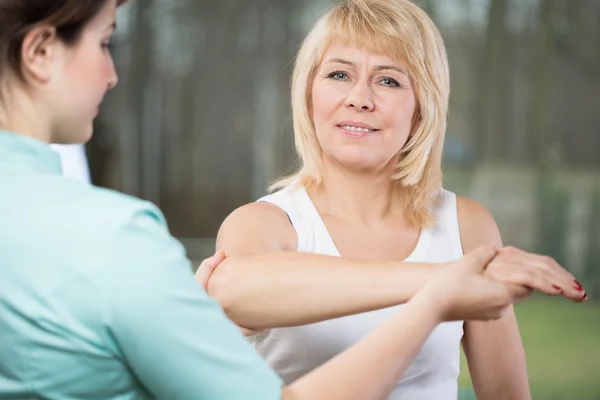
(431, 302)
(432, 270)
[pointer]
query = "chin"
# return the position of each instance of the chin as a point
(88, 135)
(359, 157)
(361, 164)
(83, 134)
(73, 133)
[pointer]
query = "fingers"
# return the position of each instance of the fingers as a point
(570, 287)
(250, 332)
(543, 273)
(536, 280)
(207, 267)
(479, 258)
(521, 281)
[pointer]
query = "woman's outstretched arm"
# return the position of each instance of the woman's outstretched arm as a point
(265, 283)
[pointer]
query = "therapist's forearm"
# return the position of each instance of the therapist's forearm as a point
(370, 369)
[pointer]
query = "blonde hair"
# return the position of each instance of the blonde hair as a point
(402, 31)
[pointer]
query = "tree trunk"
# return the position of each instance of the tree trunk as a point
(486, 133)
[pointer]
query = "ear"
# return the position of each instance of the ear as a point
(38, 52)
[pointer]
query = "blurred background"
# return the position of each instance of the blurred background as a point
(200, 124)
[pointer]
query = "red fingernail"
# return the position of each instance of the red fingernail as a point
(556, 287)
(578, 286)
(584, 298)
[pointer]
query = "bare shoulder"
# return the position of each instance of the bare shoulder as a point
(256, 227)
(476, 224)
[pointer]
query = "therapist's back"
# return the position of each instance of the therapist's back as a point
(91, 286)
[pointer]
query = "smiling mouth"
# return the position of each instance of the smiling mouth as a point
(356, 128)
(356, 131)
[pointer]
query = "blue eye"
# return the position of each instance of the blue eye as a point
(338, 75)
(390, 82)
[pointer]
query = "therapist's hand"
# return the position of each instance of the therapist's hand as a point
(207, 267)
(205, 271)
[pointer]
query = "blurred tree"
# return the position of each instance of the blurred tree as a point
(224, 105)
(485, 132)
(135, 80)
(579, 35)
(541, 82)
(552, 198)
(576, 44)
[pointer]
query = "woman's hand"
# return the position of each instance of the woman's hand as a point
(485, 282)
(204, 272)
(533, 272)
(207, 267)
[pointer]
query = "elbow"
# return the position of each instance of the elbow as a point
(235, 286)
(224, 286)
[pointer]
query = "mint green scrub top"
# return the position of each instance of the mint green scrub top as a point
(98, 300)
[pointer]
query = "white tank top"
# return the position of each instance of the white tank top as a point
(295, 351)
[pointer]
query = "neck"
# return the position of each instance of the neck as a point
(364, 197)
(21, 116)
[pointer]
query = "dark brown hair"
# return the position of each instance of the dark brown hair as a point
(19, 17)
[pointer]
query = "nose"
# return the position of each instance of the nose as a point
(113, 78)
(360, 98)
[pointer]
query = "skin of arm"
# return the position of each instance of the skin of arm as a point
(168, 316)
(371, 368)
(494, 349)
(264, 282)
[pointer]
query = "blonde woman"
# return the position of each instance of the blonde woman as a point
(365, 222)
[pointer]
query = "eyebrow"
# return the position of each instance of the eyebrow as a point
(391, 67)
(340, 61)
(377, 68)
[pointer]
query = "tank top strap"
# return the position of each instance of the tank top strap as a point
(446, 214)
(313, 235)
(290, 201)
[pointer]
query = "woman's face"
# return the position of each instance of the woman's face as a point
(362, 108)
(84, 73)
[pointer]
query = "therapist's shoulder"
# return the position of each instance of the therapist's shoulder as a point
(105, 216)
(122, 232)
(118, 207)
